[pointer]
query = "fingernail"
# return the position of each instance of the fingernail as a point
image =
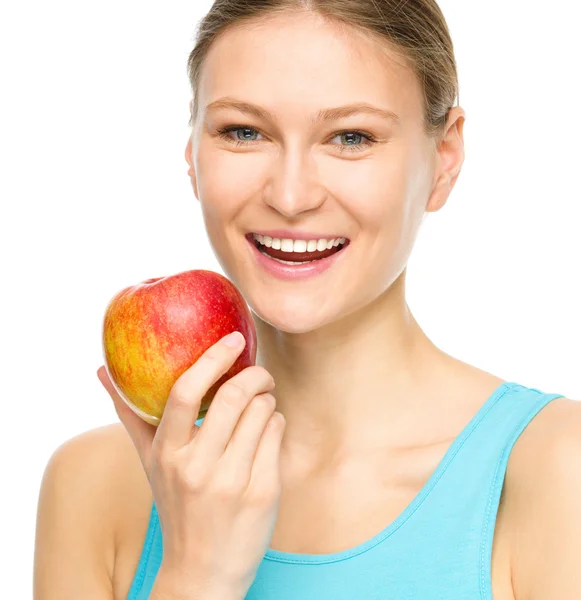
(234, 339)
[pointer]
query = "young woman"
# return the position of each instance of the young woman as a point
(356, 459)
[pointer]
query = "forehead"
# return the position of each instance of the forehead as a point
(297, 64)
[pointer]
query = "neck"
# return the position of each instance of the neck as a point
(366, 382)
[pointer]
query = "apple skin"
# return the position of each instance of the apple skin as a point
(157, 329)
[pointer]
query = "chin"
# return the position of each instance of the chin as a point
(292, 317)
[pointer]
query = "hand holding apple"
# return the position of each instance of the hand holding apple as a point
(155, 330)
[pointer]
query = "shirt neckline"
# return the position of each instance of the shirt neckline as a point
(295, 557)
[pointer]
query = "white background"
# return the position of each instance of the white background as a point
(95, 197)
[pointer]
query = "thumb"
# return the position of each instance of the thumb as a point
(140, 432)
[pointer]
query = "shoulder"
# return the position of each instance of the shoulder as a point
(543, 488)
(104, 465)
(87, 483)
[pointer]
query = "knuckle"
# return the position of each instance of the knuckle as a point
(265, 402)
(210, 356)
(233, 395)
(180, 398)
(194, 480)
(208, 361)
(216, 353)
(277, 421)
(265, 495)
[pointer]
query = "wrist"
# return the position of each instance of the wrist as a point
(171, 585)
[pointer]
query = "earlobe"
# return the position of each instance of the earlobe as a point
(439, 195)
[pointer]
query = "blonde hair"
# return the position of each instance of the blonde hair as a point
(416, 30)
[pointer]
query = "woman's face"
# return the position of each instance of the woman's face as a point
(294, 173)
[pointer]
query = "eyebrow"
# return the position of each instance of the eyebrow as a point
(325, 114)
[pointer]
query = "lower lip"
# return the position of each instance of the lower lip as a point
(300, 272)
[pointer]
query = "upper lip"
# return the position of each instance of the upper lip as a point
(296, 235)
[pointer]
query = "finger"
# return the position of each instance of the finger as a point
(140, 432)
(185, 398)
(241, 449)
(233, 398)
(266, 463)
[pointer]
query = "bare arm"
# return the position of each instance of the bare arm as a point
(74, 545)
(547, 524)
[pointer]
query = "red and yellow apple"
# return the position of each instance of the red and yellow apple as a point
(157, 329)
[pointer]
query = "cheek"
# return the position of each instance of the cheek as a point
(373, 191)
(227, 174)
(223, 188)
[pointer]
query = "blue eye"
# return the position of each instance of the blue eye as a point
(245, 130)
(352, 147)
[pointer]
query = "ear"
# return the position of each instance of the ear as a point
(191, 170)
(450, 159)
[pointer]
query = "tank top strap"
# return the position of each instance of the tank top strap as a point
(463, 505)
(481, 452)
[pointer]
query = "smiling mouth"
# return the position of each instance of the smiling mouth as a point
(296, 257)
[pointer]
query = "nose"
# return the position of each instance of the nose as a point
(294, 188)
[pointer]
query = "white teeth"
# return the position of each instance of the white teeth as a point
(298, 246)
(288, 245)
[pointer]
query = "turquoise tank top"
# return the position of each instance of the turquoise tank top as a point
(438, 548)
